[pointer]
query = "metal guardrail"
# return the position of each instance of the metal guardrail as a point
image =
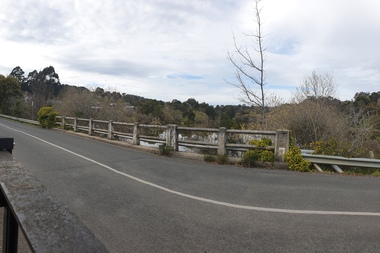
(339, 160)
(47, 224)
(33, 122)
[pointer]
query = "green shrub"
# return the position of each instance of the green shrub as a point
(165, 150)
(376, 173)
(331, 147)
(249, 158)
(266, 155)
(295, 161)
(335, 148)
(46, 117)
(253, 155)
(264, 142)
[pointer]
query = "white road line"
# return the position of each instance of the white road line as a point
(210, 201)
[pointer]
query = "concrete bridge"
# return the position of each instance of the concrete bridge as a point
(134, 201)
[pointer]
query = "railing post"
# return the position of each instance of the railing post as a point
(110, 130)
(281, 144)
(10, 227)
(10, 231)
(90, 123)
(172, 137)
(136, 134)
(222, 140)
(75, 128)
(63, 122)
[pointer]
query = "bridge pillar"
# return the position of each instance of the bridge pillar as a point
(75, 128)
(136, 134)
(222, 140)
(172, 137)
(90, 127)
(110, 130)
(281, 144)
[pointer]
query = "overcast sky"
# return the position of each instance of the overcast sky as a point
(177, 49)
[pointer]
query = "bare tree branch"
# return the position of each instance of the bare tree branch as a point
(316, 86)
(248, 72)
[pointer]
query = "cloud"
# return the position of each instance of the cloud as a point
(325, 36)
(168, 49)
(33, 21)
(186, 76)
(106, 66)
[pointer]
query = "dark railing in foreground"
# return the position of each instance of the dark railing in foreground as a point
(46, 224)
(169, 135)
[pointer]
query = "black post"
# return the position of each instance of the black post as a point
(10, 231)
(6, 143)
(10, 227)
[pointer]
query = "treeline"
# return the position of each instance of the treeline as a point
(317, 121)
(112, 105)
(28, 93)
(333, 127)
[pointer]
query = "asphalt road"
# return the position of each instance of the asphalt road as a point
(141, 202)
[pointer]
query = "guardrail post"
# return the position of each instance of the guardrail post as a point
(75, 128)
(281, 144)
(136, 134)
(222, 140)
(90, 127)
(337, 169)
(172, 137)
(110, 130)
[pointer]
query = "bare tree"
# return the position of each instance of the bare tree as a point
(77, 102)
(316, 86)
(250, 72)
